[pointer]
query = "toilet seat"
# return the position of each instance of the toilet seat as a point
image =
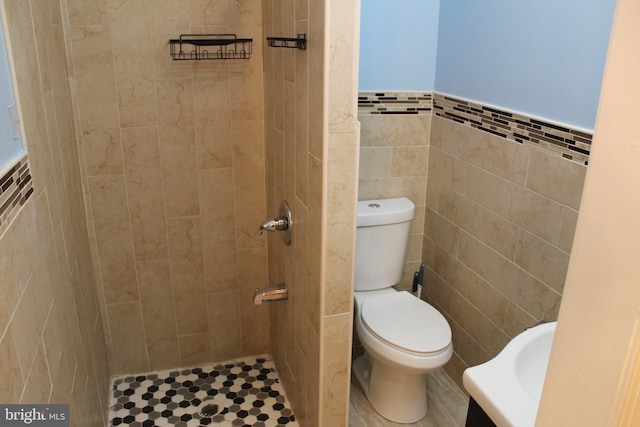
(406, 323)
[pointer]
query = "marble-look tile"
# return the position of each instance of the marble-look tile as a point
(144, 191)
(127, 333)
(375, 162)
(568, 229)
(209, 12)
(212, 120)
(477, 325)
(189, 292)
(411, 187)
(246, 95)
(342, 178)
(93, 62)
(542, 260)
(88, 12)
(103, 152)
(409, 161)
(129, 11)
(342, 66)
(485, 225)
(467, 347)
(339, 271)
(11, 387)
(113, 236)
(394, 130)
(195, 348)
(487, 151)
(218, 228)
(10, 272)
(449, 171)
(38, 384)
(225, 332)
(249, 191)
(158, 313)
(514, 282)
(336, 339)
(529, 210)
(556, 178)
(252, 274)
(443, 232)
(25, 324)
(136, 96)
(177, 147)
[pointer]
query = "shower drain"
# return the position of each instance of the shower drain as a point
(209, 410)
(213, 406)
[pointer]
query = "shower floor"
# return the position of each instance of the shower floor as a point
(240, 392)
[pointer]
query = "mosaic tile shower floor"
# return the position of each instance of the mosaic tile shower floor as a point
(240, 392)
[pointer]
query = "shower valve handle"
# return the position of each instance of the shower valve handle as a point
(276, 224)
(282, 223)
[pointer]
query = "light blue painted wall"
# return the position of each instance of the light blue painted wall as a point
(398, 45)
(544, 58)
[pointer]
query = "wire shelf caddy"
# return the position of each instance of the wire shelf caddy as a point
(190, 47)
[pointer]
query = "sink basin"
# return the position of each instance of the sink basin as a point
(508, 387)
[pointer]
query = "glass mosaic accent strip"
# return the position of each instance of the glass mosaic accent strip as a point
(394, 103)
(566, 142)
(242, 392)
(16, 187)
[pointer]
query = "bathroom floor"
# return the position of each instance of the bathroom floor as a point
(241, 392)
(447, 405)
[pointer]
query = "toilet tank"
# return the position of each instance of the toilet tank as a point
(381, 242)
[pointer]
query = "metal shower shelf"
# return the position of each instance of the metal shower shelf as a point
(299, 42)
(225, 46)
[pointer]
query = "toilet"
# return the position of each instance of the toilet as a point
(404, 337)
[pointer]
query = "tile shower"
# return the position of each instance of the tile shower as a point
(170, 161)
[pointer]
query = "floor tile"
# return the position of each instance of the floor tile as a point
(241, 392)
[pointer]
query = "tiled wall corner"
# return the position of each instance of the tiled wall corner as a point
(499, 216)
(498, 196)
(394, 155)
(294, 170)
(319, 136)
(174, 176)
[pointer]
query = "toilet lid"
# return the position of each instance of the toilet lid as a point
(406, 322)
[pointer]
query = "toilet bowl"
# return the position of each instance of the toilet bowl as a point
(404, 337)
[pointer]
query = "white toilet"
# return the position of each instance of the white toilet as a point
(404, 337)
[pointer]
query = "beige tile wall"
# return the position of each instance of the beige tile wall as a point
(294, 173)
(51, 346)
(394, 155)
(499, 226)
(311, 153)
(173, 171)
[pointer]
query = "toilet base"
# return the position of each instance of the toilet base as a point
(397, 396)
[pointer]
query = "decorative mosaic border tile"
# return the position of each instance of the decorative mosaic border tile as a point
(566, 142)
(16, 187)
(395, 103)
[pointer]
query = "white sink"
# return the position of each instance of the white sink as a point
(508, 387)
